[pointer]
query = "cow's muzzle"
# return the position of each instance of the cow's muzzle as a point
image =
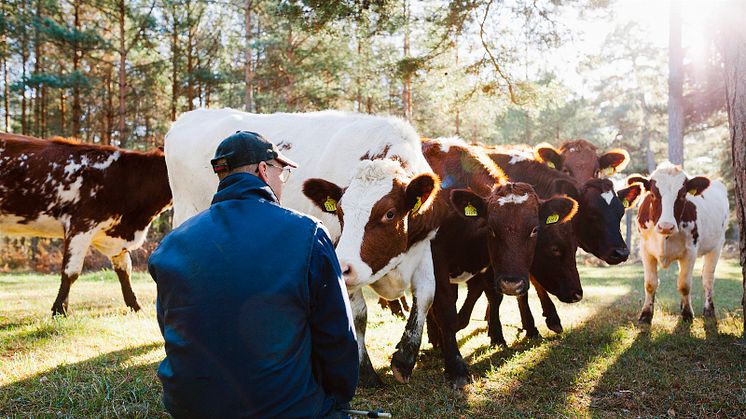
(513, 284)
(665, 228)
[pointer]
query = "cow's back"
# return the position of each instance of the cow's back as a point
(327, 144)
(712, 216)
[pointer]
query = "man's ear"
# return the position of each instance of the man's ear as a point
(421, 191)
(629, 195)
(613, 161)
(323, 193)
(558, 209)
(697, 185)
(548, 155)
(468, 204)
(645, 182)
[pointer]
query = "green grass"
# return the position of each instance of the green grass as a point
(101, 360)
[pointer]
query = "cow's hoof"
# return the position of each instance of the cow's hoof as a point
(709, 312)
(458, 383)
(555, 327)
(532, 333)
(59, 310)
(369, 380)
(498, 342)
(399, 375)
(687, 316)
(134, 306)
(646, 317)
(402, 366)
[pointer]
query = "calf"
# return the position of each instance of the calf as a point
(363, 172)
(85, 194)
(680, 218)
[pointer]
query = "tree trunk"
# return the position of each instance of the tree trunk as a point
(62, 112)
(249, 56)
(407, 90)
(174, 61)
(189, 57)
(6, 93)
(122, 75)
(77, 112)
(734, 56)
(675, 87)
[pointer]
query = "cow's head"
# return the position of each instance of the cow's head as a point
(512, 216)
(554, 265)
(668, 187)
(597, 222)
(373, 212)
(579, 159)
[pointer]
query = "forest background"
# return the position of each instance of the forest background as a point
(643, 75)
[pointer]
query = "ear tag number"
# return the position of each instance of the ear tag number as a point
(330, 205)
(470, 210)
(417, 205)
(608, 171)
(693, 191)
(550, 164)
(552, 218)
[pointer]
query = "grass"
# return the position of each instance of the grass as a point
(101, 360)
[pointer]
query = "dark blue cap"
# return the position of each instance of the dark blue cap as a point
(244, 148)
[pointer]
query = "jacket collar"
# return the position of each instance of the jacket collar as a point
(243, 186)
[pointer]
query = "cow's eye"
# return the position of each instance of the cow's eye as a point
(535, 231)
(390, 214)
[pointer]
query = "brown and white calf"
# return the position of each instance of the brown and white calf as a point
(85, 194)
(680, 218)
(366, 179)
(580, 159)
(488, 232)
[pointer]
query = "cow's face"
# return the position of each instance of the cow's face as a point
(554, 265)
(373, 212)
(597, 222)
(668, 188)
(578, 159)
(513, 216)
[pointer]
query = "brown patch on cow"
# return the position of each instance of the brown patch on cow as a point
(377, 156)
(579, 159)
(400, 160)
(385, 240)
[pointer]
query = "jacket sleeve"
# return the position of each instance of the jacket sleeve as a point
(335, 354)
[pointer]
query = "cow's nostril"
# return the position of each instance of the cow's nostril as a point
(621, 253)
(577, 297)
(348, 273)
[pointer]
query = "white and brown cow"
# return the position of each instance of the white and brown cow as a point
(363, 172)
(680, 218)
(86, 194)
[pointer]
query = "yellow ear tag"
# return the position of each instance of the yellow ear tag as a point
(330, 205)
(625, 203)
(470, 210)
(417, 205)
(550, 164)
(693, 191)
(552, 218)
(608, 171)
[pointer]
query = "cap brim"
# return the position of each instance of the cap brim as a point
(286, 161)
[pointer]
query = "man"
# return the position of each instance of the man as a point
(251, 302)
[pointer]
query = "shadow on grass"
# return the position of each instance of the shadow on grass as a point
(112, 384)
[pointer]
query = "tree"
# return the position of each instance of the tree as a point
(734, 54)
(675, 87)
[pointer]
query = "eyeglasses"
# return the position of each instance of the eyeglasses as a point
(285, 172)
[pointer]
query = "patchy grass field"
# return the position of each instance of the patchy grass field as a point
(101, 360)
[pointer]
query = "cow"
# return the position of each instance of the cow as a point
(595, 227)
(680, 218)
(579, 159)
(363, 172)
(488, 232)
(85, 194)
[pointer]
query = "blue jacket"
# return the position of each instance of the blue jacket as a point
(253, 311)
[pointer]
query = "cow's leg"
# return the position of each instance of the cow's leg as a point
(548, 309)
(527, 319)
(495, 298)
(475, 286)
(74, 251)
(650, 265)
(433, 332)
(708, 280)
(122, 264)
(368, 377)
(444, 308)
(684, 284)
(423, 293)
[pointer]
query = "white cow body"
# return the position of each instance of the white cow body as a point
(681, 237)
(328, 145)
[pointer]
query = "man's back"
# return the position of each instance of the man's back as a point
(236, 298)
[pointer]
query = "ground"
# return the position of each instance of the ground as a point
(101, 360)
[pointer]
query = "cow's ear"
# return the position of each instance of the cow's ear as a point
(421, 192)
(323, 193)
(629, 195)
(645, 182)
(697, 185)
(548, 155)
(468, 204)
(613, 161)
(568, 187)
(558, 209)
